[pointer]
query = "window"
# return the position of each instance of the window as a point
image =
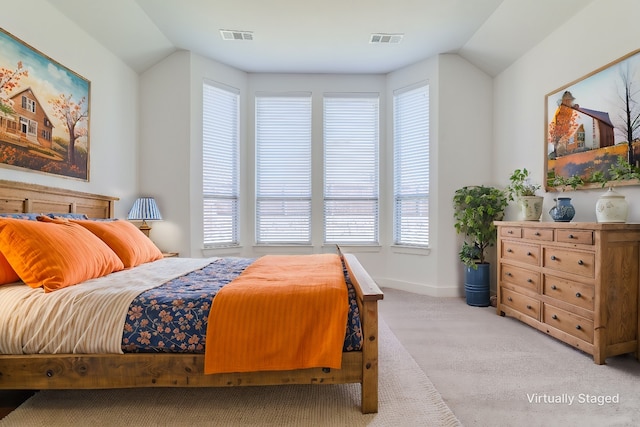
(33, 128)
(411, 166)
(28, 127)
(220, 142)
(28, 104)
(283, 169)
(351, 139)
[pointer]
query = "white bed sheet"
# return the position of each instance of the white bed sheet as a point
(85, 318)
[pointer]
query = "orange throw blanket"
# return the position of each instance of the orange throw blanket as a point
(281, 313)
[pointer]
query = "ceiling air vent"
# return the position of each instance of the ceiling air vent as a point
(236, 35)
(386, 38)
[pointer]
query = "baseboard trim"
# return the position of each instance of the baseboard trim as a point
(422, 289)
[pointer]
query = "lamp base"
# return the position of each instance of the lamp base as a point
(145, 228)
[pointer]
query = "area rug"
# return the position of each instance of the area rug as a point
(406, 397)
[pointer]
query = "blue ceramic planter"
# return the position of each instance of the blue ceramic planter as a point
(563, 211)
(476, 285)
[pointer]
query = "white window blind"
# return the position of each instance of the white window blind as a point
(411, 166)
(220, 142)
(351, 139)
(283, 169)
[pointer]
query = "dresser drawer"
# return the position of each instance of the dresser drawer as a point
(582, 237)
(521, 252)
(511, 232)
(570, 323)
(522, 303)
(580, 263)
(576, 293)
(521, 277)
(543, 234)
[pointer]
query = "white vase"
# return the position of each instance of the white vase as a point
(611, 207)
(530, 207)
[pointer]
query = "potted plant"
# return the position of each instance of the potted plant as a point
(524, 193)
(475, 210)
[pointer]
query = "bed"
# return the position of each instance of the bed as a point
(167, 369)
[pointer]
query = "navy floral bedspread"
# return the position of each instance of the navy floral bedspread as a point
(173, 317)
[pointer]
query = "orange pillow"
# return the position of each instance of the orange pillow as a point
(125, 239)
(7, 273)
(55, 254)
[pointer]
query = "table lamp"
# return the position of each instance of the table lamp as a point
(144, 209)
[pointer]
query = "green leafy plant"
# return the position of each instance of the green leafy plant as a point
(622, 170)
(598, 177)
(521, 184)
(573, 181)
(475, 210)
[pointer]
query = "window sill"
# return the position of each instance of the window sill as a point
(351, 248)
(410, 250)
(222, 251)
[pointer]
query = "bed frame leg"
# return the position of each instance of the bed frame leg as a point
(370, 359)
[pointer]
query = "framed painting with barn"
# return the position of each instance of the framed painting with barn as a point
(593, 124)
(44, 112)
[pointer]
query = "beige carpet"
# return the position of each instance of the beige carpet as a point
(496, 371)
(406, 397)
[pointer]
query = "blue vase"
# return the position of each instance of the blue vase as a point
(563, 211)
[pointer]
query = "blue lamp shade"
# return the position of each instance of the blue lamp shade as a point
(144, 209)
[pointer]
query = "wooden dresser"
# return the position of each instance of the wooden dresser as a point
(578, 282)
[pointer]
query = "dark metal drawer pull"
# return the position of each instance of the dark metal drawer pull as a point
(578, 294)
(509, 250)
(554, 287)
(529, 281)
(553, 257)
(509, 299)
(528, 253)
(554, 317)
(509, 274)
(580, 262)
(528, 307)
(537, 233)
(571, 236)
(578, 327)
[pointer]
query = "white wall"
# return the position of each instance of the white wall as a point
(145, 137)
(206, 69)
(146, 140)
(460, 141)
(601, 33)
(170, 167)
(114, 100)
(171, 157)
(163, 170)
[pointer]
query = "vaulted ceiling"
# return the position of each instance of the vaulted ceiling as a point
(328, 36)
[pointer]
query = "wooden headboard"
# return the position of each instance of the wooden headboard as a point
(19, 197)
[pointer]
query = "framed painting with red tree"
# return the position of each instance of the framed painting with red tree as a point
(44, 112)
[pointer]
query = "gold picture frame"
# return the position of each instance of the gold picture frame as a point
(44, 112)
(593, 121)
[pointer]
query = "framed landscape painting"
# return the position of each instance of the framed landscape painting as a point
(44, 112)
(593, 123)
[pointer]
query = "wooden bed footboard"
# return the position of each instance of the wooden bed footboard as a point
(102, 371)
